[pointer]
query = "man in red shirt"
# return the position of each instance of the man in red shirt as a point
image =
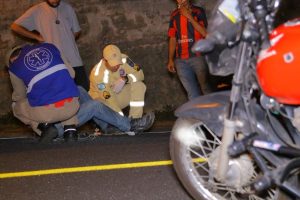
(188, 25)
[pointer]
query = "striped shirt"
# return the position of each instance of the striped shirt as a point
(184, 31)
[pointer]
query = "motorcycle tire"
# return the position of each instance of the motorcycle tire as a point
(188, 140)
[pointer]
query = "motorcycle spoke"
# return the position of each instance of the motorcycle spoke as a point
(200, 165)
(232, 196)
(195, 153)
(219, 186)
(202, 150)
(209, 182)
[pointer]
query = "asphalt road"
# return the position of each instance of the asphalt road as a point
(90, 170)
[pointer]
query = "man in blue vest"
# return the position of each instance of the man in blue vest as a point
(44, 91)
(27, 67)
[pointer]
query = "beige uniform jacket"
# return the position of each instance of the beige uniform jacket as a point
(102, 81)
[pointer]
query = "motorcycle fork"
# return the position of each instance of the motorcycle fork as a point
(229, 123)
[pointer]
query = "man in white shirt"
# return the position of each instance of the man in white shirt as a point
(55, 22)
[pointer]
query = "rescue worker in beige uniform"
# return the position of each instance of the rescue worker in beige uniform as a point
(117, 82)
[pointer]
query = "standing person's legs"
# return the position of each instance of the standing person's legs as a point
(81, 77)
(199, 66)
(188, 78)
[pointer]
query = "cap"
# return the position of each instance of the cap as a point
(112, 54)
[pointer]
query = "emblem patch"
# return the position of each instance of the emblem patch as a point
(106, 95)
(288, 57)
(122, 72)
(101, 86)
(137, 67)
(38, 59)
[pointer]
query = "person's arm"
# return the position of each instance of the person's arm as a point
(172, 48)
(133, 70)
(135, 75)
(26, 33)
(69, 66)
(198, 27)
(75, 27)
(77, 35)
(99, 91)
(26, 23)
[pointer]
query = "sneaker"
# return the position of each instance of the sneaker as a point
(70, 133)
(81, 137)
(142, 124)
(49, 132)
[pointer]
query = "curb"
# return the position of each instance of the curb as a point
(23, 132)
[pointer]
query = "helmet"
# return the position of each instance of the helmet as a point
(278, 67)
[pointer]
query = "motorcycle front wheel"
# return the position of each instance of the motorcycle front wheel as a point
(194, 151)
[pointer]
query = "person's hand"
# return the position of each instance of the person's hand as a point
(118, 85)
(39, 38)
(186, 12)
(171, 66)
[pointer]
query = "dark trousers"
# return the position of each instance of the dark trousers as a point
(81, 77)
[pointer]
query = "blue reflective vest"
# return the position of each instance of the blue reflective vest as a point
(44, 74)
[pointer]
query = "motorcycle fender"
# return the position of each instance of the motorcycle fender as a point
(208, 109)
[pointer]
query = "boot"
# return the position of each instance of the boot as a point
(49, 132)
(70, 133)
(142, 124)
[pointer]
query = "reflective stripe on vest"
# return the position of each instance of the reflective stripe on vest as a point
(44, 74)
(106, 76)
(98, 68)
(106, 72)
(137, 103)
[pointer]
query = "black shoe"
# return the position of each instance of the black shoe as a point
(70, 133)
(143, 123)
(49, 132)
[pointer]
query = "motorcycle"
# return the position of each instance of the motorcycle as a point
(243, 143)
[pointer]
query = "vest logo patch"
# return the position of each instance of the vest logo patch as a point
(101, 86)
(122, 72)
(38, 59)
(106, 94)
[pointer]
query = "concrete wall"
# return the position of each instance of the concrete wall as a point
(138, 27)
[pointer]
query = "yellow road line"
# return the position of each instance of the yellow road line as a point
(88, 168)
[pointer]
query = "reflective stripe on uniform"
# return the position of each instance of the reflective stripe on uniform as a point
(134, 79)
(106, 76)
(44, 74)
(98, 68)
(137, 103)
